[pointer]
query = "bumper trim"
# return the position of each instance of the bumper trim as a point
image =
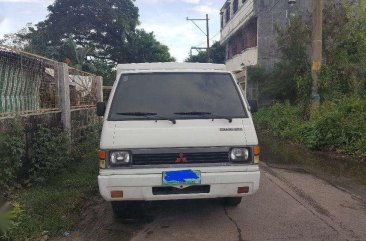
(223, 182)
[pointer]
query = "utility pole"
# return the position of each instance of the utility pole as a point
(208, 39)
(316, 55)
(206, 33)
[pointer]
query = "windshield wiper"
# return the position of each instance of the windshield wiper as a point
(148, 115)
(193, 113)
(137, 113)
(205, 114)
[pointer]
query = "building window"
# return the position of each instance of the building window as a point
(222, 20)
(235, 6)
(227, 14)
(244, 39)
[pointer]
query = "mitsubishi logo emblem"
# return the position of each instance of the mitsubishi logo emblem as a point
(181, 158)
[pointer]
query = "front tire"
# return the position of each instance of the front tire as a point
(126, 210)
(232, 201)
(119, 208)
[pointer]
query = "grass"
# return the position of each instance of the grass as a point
(53, 207)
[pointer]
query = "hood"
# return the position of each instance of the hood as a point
(185, 133)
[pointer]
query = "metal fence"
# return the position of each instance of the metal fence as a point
(30, 83)
(27, 82)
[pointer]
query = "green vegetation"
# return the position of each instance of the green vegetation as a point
(9, 216)
(59, 178)
(51, 153)
(217, 55)
(87, 33)
(12, 150)
(290, 78)
(339, 124)
(54, 206)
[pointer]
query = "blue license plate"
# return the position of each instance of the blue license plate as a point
(181, 177)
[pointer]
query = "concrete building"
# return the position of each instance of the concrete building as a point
(248, 31)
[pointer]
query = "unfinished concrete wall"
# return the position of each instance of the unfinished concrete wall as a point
(273, 13)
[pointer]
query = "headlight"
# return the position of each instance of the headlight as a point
(120, 158)
(239, 154)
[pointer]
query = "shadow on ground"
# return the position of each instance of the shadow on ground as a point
(99, 223)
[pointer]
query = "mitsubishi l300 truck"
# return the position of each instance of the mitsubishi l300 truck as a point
(177, 131)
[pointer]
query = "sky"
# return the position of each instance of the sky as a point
(166, 18)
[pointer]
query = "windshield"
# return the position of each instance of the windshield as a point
(176, 96)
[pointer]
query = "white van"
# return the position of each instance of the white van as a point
(177, 131)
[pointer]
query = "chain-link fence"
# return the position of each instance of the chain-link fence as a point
(30, 83)
(27, 82)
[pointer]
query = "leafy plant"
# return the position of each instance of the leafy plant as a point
(290, 79)
(55, 205)
(9, 215)
(217, 55)
(12, 151)
(345, 50)
(77, 56)
(339, 125)
(51, 153)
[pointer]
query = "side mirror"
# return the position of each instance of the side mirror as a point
(101, 106)
(253, 105)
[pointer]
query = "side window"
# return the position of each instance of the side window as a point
(227, 14)
(235, 6)
(222, 20)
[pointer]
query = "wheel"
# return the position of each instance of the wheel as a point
(232, 201)
(119, 208)
(126, 210)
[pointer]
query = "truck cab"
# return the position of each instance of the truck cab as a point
(177, 131)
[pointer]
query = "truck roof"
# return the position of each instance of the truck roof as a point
(169, 66)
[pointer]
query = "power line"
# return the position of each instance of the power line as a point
(215, 35)
(207, 33)
(274, 6)
(245, 17)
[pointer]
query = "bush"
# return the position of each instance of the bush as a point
(12, 150)
(87, 140)
(339, 125)
(51, 153)
(284, 120)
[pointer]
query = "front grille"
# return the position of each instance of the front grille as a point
(180, 158)
(187, 190)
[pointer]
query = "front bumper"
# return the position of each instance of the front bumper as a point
(137, 184)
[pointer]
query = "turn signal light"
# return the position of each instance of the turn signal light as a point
(116, 194)
(256, 150)
(102, 154)
(243, 189)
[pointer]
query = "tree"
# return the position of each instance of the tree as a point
(103, 34)
(15, 40)
(104, 25)
(77, 56)
(344, 70)
(109, 27)
(217, 53)
(145, 48)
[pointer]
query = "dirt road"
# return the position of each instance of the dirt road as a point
(290, 205)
